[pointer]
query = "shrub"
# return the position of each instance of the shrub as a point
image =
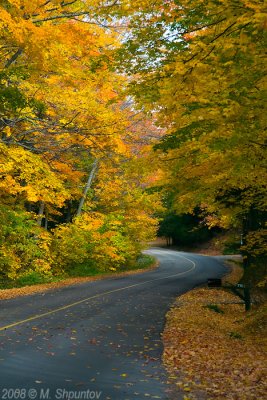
(23, 245)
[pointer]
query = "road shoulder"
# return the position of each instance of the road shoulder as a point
(212, 348)
(6, 294)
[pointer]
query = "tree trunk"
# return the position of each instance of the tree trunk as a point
(40, 213)
(69, 215)
(46, 220)
(87, 187)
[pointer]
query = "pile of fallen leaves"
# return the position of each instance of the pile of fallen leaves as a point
(214, 349)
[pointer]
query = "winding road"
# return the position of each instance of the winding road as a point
(99, 339)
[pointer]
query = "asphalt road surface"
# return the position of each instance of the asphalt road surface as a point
(96, 340)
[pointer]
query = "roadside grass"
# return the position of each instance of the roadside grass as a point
(213, 349)
(32, 278)
(144, 261)
(33, 282)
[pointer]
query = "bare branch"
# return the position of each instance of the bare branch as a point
(62, 16)
(223, 32)
(63, 4)
(14, 57)
(258, 144)
(45, 3)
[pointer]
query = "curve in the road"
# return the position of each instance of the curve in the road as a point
(34, 317)
(100, 336)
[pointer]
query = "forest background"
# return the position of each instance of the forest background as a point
(116, 115)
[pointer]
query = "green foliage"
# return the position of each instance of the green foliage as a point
(88, 268)
(235, 335)
(11, 98)
(21, 246)
(184, 229)
(215, 308)
(231, 247)
(32, 278)
(143, 261)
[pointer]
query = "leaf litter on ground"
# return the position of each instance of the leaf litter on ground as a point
(216, 355)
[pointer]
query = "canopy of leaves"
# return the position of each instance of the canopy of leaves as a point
(62, 110)
(197, 67)
(200, 66)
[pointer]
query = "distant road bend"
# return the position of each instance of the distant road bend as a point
(96, 340)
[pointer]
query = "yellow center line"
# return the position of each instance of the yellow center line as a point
(37, 316)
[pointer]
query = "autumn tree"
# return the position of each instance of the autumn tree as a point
(63, 128)
(200, 66)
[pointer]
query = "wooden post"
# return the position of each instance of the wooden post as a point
(247, 299)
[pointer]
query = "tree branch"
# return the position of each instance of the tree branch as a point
(62, 16)
(13, 58)
(259, 144)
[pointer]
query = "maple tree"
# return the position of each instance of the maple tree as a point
(63, 124)
(200, 67)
